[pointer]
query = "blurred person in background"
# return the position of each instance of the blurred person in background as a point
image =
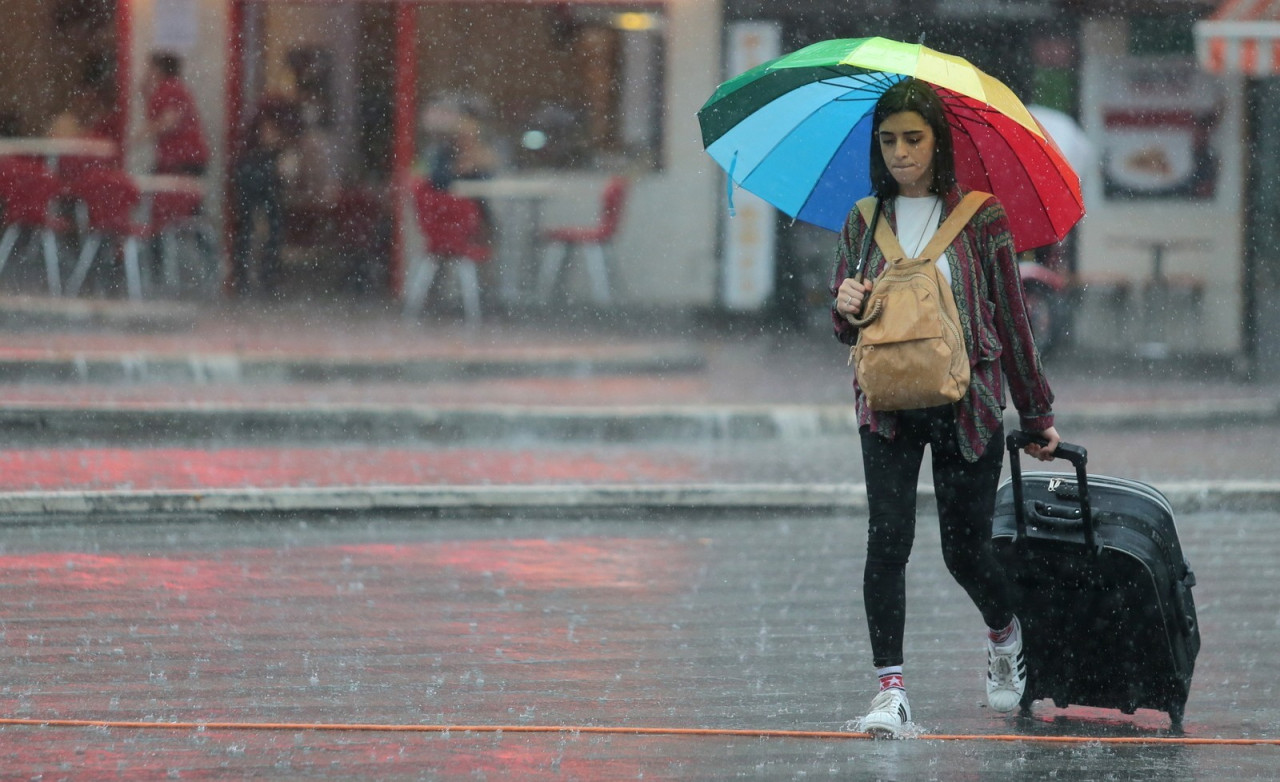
(457, 146)
(172, 119)
(91, 109)
(258, 181)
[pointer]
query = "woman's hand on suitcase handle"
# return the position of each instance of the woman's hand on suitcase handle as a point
(850, 297)
(1044, 452)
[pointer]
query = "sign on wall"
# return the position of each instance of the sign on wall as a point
(1159, 120)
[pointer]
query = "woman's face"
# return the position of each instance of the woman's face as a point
(907, 143)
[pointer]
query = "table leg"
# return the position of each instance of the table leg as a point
(518, 249)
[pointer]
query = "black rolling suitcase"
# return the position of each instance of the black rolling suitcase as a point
(1103, 591)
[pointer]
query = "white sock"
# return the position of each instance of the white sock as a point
(1011, 634)
(891, 677)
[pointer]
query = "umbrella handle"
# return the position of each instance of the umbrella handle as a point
(867, 239)
(877, 310)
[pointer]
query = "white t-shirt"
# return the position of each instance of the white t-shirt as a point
(918, 221)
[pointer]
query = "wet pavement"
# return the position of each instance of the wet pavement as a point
(315, 649)
(292, 545)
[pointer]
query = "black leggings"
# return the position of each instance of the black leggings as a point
(966, 494)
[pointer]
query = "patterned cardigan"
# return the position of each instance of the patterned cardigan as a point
(993, 317)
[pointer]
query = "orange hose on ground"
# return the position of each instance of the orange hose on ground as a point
(614, 730)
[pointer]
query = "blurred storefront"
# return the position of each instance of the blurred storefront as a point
(1240, 44)
(572, 92)
(1166, 214)
(60, 55)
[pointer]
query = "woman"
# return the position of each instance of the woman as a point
(257, 180)
(172, 120)
(913, 174)
(461, 150)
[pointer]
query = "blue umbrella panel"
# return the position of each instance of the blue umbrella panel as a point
(807, 152)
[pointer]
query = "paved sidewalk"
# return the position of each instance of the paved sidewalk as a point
(236, 408)
(235, 360)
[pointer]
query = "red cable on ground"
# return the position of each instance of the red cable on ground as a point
(614, 730)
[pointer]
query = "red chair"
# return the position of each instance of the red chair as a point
(71, 169)
(171, 215)
(110, 198)
(593, 240)
(27, 191)
(450, 229)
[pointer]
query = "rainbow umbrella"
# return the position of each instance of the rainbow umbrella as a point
(796, 131)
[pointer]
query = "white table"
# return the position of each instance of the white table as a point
(525, 188)
(51, 149)
(169, 183)
(520, 235)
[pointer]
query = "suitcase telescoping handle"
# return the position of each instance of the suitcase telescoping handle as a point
(1077, 455)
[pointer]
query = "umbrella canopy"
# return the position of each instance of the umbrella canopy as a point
(796, 131)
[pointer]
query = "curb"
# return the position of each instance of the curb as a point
(1205, 412)
(40, 313)
(206, 367)
(17, 507)
(649, 500)
(45, 425)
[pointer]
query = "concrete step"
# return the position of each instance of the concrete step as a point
(621, 500)
(36, 423)
(196, 366)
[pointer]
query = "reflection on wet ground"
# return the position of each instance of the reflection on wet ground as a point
(1160, 458)
(738, 623)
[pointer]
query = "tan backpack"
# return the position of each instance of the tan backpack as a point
(910, 352)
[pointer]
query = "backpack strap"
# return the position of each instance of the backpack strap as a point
(954, 224)
(885, 236)
(942, 238)
(870, 208)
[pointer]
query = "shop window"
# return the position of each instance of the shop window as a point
(553, 86)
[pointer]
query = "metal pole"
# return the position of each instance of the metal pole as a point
(406, 72)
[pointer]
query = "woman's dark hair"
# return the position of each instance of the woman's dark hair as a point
(913, 95)
(167, 63)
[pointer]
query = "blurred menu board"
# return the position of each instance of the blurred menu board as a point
(1159, 131)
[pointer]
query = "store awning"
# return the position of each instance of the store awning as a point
(1242, 36)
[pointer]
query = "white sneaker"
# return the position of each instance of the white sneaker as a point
(1006, 673)
(889, 716)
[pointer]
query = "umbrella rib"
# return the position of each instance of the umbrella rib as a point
(978, 113)
(1041, 206)
(872, 80)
